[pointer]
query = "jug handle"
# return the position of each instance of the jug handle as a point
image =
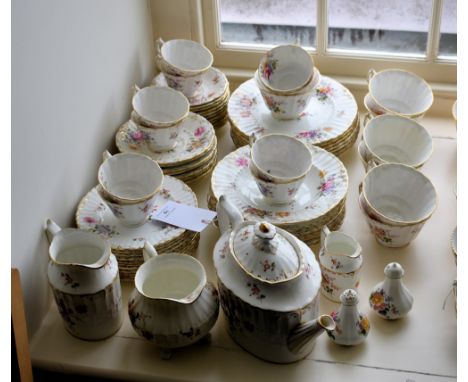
(149, 251)
(52, 229)
(106, 155)
(323, 235)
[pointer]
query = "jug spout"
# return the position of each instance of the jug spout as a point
(305, 334)
(52, 229)
(229, 217)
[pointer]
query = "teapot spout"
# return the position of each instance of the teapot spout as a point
(229, 217)
(305, 334)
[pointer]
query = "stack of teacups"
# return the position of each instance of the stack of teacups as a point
(395, 91)
(162, 127)
(287, 78)
(396, 201)
(186, 66)
(395, 139)
(128, 184)
(158, 112)
(280, 172)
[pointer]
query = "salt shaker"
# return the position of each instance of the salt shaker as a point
(390, 299)
(352, 326)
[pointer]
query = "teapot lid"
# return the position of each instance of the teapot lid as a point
(266, 253)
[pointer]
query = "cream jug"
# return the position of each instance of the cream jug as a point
(172, 304)
(84, 277)
(269, 285)
(340, 262)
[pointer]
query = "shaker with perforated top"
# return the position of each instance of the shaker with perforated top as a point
(390, 299)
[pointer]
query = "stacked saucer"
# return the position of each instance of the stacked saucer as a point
(330, 121)
(313, 207)
(127, 241)
(212, 98)
(193, 156)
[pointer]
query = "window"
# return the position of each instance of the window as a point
(346, 37)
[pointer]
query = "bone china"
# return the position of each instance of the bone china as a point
(396, 139)
(288, 106)
(84, 277)
(172, 304)
(400, 92)
(183, 57)
(340, 262)
(128, 184)
(279, 165)
(269, 287)
(286, 68)
(399, 202)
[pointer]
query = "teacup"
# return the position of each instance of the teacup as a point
(286, 68)
(159, 111)
(400, 92)
(279, 164)
(128, 184)
(340, 262)
(189, 86)
(183, 57)
(396, 139)
(397, 200)
(289, 106)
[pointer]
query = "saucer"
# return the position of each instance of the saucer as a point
(332, 110)
(315, 198)
(191, 166)
(214, 86)
(93, 215)
(196, 137)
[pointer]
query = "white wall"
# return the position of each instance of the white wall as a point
(73, 64)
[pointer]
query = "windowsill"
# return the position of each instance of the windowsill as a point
(420, 347)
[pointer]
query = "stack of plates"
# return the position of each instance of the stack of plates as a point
(212, 99)
(331, 120)
(127, 242)
(193, 157)
(304, 217)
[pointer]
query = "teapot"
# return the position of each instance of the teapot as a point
(172, 304)
(84, 277)
(269, 284)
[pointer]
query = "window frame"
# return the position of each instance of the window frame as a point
(241, 58)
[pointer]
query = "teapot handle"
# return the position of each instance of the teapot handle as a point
(52, 229)
(149, 251)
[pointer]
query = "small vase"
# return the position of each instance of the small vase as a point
(390, 299)
(352, 326)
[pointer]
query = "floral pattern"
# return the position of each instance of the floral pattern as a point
(327, 183)
(363, 325)
(324, 92)
(383, 303)
(314, 135)
(273, 104)
(135, 138)
(242, 161)
(255, 291)
(268, 266)
(381, 234)
(269, 67)
(105, 230)
(246, 104)
(69, 281)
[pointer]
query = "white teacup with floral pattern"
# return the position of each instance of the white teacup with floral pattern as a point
(279, 164)
(288, 106)
(189, 86)
(128, 184)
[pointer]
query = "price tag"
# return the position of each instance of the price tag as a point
(183, 216)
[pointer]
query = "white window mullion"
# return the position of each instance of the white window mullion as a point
(433, 37)
(322, 27)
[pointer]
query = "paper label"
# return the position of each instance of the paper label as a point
(183, 216)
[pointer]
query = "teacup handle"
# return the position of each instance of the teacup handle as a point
(252, 139)
(365, 120)
(371, 163)
(158, 45)
(371, 73)
(106, 155)
(323, 235)
(135, 89)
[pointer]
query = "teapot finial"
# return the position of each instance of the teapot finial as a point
(229, 217)
(149, 251)
(51, 229)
